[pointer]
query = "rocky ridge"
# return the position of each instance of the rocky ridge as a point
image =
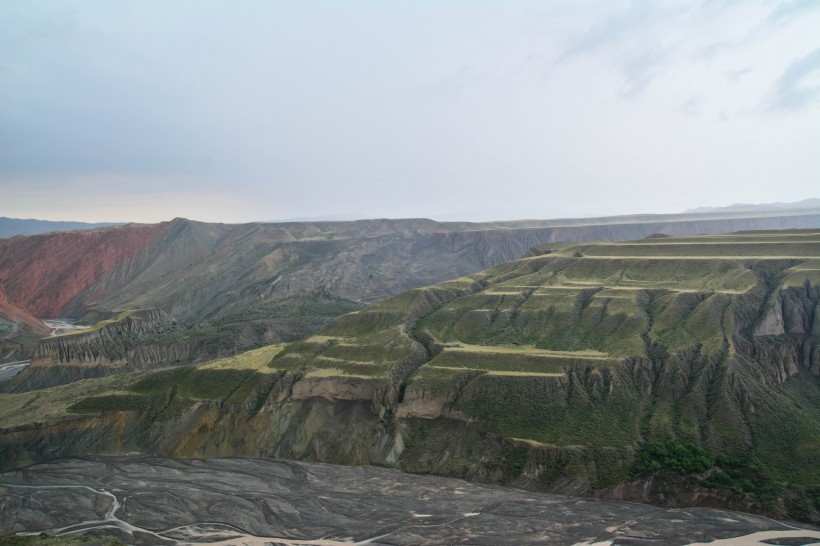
(557, 371)
(133, 341)
(197, 271)
(113, 342)
(19, 331)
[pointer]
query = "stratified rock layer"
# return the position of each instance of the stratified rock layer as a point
(196, 271)
(553, 371)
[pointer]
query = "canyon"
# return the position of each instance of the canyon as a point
(260, 283)
(681, 371)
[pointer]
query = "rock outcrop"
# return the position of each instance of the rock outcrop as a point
(117, 342)
(197, 271)
(44, 273)
(13, 319)
(553, 371)
(19, 331)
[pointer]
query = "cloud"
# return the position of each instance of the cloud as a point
(709, 52)
(788, 10)
(735, 75)
(311, 109)
(610, 30)
(639, 69)
(633, 41)
(799, 86)
(691, 106)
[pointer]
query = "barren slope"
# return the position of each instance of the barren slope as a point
(196, 271)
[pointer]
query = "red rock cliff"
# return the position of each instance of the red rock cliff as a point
(43, 273)
(11, 313)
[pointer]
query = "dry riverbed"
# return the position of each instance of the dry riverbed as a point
(151, 500)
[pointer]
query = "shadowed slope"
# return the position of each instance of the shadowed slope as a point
(197, 271)
(560, 370)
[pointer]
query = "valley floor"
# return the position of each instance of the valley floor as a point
(152, 500)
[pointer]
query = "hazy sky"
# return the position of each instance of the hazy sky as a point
(240, 111)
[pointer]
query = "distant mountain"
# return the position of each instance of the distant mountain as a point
(341, 217)
(286, 280)
(9, 227)
(811, 203)
(196, 270)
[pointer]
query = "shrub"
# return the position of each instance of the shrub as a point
(683, 458)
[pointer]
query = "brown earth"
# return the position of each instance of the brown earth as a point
(43, 273)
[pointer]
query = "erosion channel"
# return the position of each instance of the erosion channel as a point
(153, 500)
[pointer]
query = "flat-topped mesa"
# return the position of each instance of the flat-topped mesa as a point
(111, 342)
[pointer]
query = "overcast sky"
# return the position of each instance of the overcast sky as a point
(241, 111)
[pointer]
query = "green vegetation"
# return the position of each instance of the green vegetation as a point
(735, 474)
(683, 458)
(377, 342)
(533, 361)
(433, 379)
(235, 380)
(111, 402)
(719, 249)
(601, 361)
(514, 459)
(448, 448)
(301, 314)
(538, 408)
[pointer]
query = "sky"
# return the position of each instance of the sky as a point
(239, 111)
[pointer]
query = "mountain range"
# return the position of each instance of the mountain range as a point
(810, 203)
(262, 283)
(675, 370)
(10, 227)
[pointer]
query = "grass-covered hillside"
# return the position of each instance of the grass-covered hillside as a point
(692, 358)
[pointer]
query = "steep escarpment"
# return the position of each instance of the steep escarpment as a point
(13, 318)
(19, 331)
(197, 271)
(43, 273)
(279, 282)
(133, 341)
(674, 370)
(109, 342)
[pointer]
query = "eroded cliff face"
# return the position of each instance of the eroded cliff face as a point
(136, 340)
(13, 319)
(197, 271)
(285, 281)
(145, 339)
(43, 273)
(113, 343)
(350, 421)
(315, 417)
(19, 331)
(548, 372)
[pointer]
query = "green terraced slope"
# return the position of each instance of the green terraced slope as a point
(688, 364)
